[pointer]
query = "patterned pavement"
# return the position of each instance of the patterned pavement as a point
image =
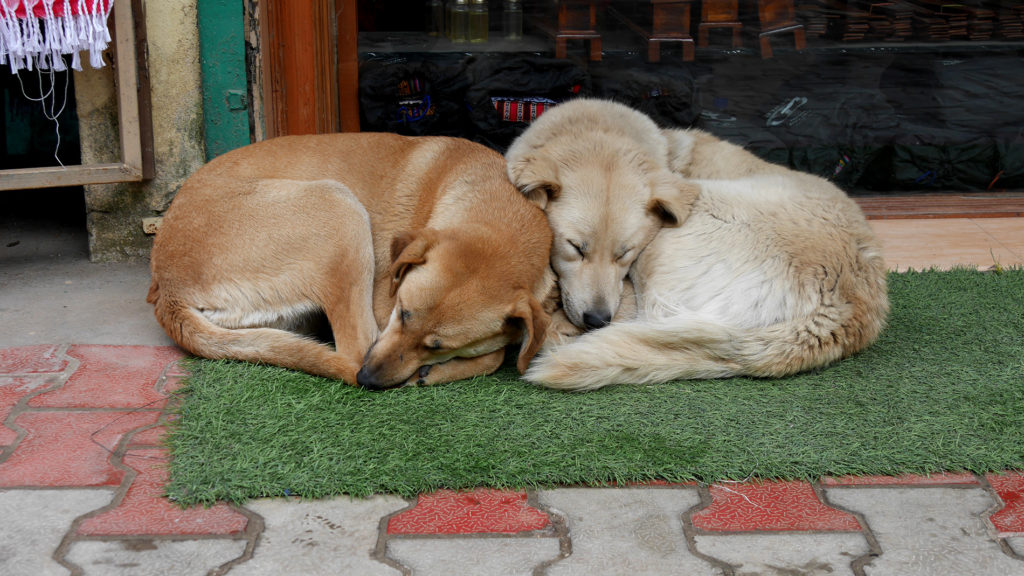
(82, 470)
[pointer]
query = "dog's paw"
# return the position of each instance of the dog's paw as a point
(553, 302)
(420, 377)
(561, 330)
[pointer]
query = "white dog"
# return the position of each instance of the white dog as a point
(740, 267)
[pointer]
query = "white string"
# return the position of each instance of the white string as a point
(50, 97)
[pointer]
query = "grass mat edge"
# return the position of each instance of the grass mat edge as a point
(942, 389)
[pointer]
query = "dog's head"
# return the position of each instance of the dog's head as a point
(606, 199)
(457, 295)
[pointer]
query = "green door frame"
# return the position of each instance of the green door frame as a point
(225, 85)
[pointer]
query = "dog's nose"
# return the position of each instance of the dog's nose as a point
(593, 320)
(368, 379)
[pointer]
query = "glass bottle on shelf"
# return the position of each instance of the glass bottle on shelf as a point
(479, 21)
(435, 17)
(448, 19)
(459, 18)
(512, 20)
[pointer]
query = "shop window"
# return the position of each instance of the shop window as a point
(910, 95)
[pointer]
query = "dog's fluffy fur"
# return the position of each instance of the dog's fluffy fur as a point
(740, 267)
(423, 257)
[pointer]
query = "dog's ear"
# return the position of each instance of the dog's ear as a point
(398, 244)
(529, 312)
(407, 250)
(672, 199)
(680, 148)
(542, 194)
(536, 177)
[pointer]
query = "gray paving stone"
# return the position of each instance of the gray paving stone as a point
(786, 553)
(144, 557)
(317, 537)
(929, 531)
(1017, 545)
(60, 300)
(480, 556)
(626, 531)
(33, 524)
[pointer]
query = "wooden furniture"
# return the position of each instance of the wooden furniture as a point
(716, 14)
(670, 22)
(778, 17)
(576, 20)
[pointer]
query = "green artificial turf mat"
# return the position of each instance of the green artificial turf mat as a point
(942, 389)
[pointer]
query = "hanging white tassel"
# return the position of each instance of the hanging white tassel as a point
(100, 32)
(50, 51)
(9, 38)
(65, 27)
(32, 36)
(69, 35)
(31, 41)
(6, 36)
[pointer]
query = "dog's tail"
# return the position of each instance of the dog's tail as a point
(199, 336)
(688, 346)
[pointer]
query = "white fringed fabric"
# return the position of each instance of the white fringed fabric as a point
(38, 33)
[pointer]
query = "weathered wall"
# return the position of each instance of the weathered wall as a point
(115, 212)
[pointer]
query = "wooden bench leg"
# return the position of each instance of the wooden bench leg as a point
(653, 51)
(560, 47)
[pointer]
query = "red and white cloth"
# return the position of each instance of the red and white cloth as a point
(38, 33)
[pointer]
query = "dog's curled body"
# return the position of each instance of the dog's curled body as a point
(772, 272)
(230, 305)
(726, 294)
(422, 256)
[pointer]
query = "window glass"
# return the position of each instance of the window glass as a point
(910, 95)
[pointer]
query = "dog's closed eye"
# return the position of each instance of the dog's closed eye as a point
(581, 248)
(433, 345)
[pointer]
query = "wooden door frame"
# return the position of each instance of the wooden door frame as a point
(310, 66)
(347, 42)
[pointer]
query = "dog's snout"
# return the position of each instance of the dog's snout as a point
(369, 379)
(594, 319)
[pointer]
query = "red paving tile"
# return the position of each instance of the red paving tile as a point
(175, 379)
(770, 506)
(145, 511)
(13, 389)
(902, 480)
(149, 437)
(69, 448)
(656, 483)
(479, 511)
(31, 360)
(1009, 520)
(74, 448)
(112, 377)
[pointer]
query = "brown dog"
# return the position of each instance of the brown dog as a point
(425, 260)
